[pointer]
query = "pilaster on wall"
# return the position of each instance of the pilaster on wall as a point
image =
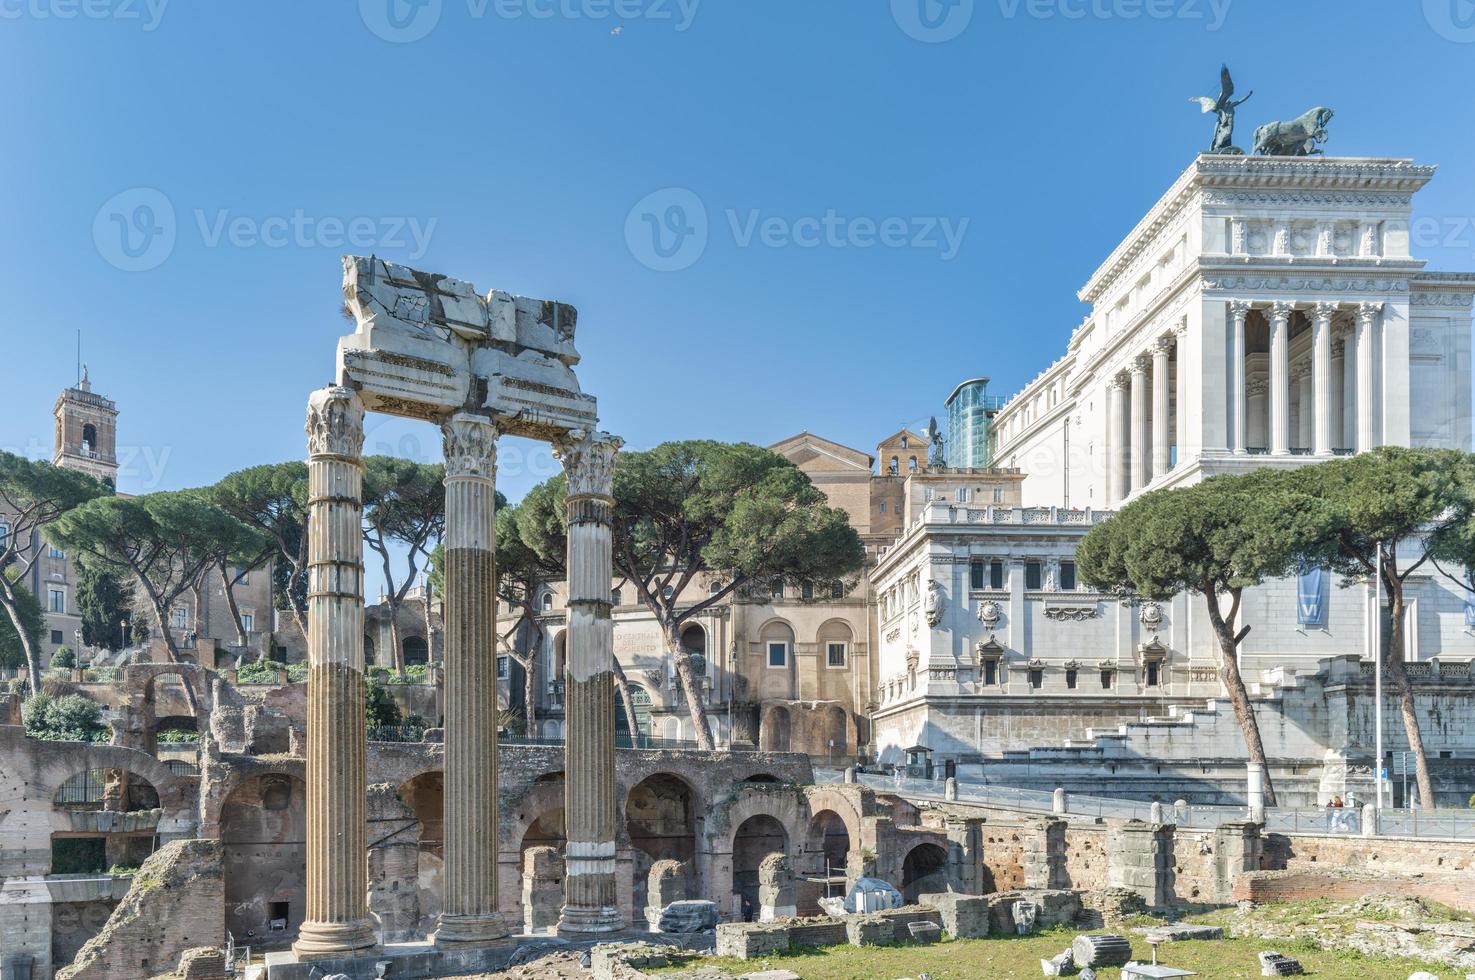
(1139, 857)
(1238, 848)
(1044, 855)
(965, 854)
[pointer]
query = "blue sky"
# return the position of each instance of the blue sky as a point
(1002, 160)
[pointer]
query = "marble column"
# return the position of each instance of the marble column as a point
(1162, 432)
(590, 903)
(1367, 320)
(1337, 391)
(1280, 370)
(1141, 467)
(1180, 405)
(469, 914)
(336, 920)
(1257, 417)
(1321, 377)
(1301, 375)
(1118, 444)
(1238, 382)
(1349, 390)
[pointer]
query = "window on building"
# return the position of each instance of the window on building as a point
(52, 551)
(975, 574)
(1033, 577)
(242, 575)
(996, 574)
(990, 672)
(911, 464)
(835, 654)
(714, 588)
(1070, 679)
(894, 466)
(778, 654)
(998, 495)
(547, 600)
(837, 590)
(1106, 680)
(882, 508)
(4, 535)
(248, 622)
(1036, 679)
(1068, 576)
(668, 593)
(503, 668)
(56, 636)
(962, 495)
(777, 588)
(179, 617)
(56, 600)
(89, 438)
(614, 597)
(903, 442)
(1154, 672)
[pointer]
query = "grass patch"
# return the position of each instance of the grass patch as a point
(1015, 958)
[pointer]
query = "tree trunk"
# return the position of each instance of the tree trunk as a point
(691, 684)
(230, 602)
(429, 631)
(1234, 683)
(622, 690)
(33, 656)
(397, 653)
(1393, 659)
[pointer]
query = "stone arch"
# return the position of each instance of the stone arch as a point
(771, 798)
(537, 817)
(755, 839)
(369, 649)
(552, 729)
(837, 732)
(824, 863)
(775, 733)
(415, 649)
(663, 822)
(777, 680)
(923, 870)
(139, 725)
(263, 834)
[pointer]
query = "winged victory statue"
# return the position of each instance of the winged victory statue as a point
(1224, 105)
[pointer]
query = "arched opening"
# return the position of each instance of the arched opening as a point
(660, 818)
(416, 650)
(924, 871)
(369, 649)
(164, 697)
(264, 858)
(755, 839)
(542, 811)
(113, 818)
(827, 852)
(694, 639)
(640, 706)
(774, 736)
(836, 724)
(89, 438)
(778, 678)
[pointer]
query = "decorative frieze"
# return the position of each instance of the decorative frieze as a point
(1077, 614)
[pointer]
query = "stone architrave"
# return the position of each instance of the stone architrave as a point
(590, 903)
(469, 914)
(337, 915)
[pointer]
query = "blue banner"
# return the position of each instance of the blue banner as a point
(1311, 597)
(1469, 601)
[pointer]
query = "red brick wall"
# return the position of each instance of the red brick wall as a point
(1284, 886)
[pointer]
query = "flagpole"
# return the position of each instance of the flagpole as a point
(1378, 676)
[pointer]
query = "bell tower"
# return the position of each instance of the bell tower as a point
(87, 431)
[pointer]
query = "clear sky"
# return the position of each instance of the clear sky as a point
(179, 177)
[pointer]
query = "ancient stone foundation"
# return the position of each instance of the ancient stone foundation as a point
(1140, 857)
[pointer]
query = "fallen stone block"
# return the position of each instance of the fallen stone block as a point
(870, 930)
(963, 916)
(924, 933)
(771, 975)
(1182, 931)
(1273, 964)
(1062, 965)
(1422, 975)
(689, 916)
(1101, 950)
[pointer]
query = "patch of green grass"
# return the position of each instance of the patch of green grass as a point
(1015, 958)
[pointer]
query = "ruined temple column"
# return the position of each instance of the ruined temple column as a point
(337, 920)
(469, 913)
(590, 904)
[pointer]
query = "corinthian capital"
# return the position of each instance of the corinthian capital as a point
(1239, 309)
(1367, 313)
(1325, 311)
(1282, 311)
(588, 462)
(470, 446)
(335, 422)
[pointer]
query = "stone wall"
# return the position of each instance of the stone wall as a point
(176, 902)
(1448, 888)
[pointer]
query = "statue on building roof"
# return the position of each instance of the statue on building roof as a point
(1224, 105)
(1299, 137)
(936, 456)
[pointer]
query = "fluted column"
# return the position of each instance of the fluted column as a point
(1238, 311)
(1180, 408)
(337, 914)
(1141, 467)
(1337, 391)
(1367, 320)
(469, 914)
(590, 904)
(1321, 377)
(1301, 374)
(1280, 374)
(1349, 391)
(1162, 432)
(1118, 445)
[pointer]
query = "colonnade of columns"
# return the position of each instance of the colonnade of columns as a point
(1332, 388)
(1145, 419)
(337, 919)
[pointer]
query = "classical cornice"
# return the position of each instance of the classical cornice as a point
(1342, 176)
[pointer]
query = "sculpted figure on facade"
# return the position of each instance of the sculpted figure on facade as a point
(934, 604)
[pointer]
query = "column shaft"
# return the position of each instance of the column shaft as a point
(337, 914)
(1349, 391)
(469, 912)
(1280, 371)
(1321, 374)
(1141, 467)
(590, 903)
(1238, 311)
(1117, 441)
(1180, 408)
(1305, 407)
(1162, 432)
(1367, 318)
(1337, 394)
